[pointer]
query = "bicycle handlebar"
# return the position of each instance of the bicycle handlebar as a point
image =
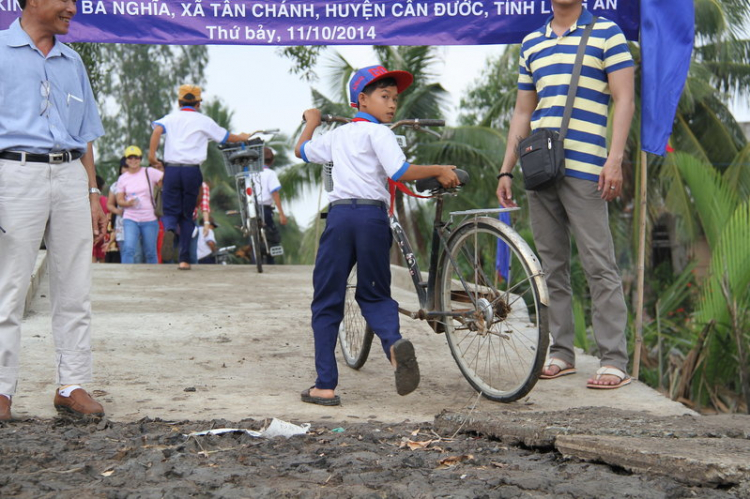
(415, 123)
(418, 122)
(329, 118)
(249, 142)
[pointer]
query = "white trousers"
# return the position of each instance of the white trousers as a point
(50, 201)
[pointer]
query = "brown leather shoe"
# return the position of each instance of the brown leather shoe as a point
(79, 404)
(5, 408)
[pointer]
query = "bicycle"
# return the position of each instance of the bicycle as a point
(244, 162)
(224, 254)
(496, 325)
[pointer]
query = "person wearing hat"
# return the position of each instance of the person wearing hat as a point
(187, 133)
(135, 190)
(48, 122)
(365, 154)
(207, 243)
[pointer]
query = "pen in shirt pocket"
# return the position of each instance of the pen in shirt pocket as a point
(71, 96)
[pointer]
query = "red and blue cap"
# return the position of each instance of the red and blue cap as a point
(370, 74)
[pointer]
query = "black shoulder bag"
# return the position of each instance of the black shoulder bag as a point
(542, 154)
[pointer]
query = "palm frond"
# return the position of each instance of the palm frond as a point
(738, 173)
(714, 200)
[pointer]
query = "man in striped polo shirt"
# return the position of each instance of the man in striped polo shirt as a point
(593, 176)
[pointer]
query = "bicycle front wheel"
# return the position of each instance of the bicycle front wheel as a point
(355, 335)
(493, 294)
(255, 242)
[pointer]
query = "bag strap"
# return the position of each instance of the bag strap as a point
(150, 192)
(575, 77)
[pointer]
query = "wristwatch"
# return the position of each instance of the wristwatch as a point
(94, 190)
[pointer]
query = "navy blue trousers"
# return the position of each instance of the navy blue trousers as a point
(179, 197)
(354, 234)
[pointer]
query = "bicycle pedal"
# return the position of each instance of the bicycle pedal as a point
(276, 250)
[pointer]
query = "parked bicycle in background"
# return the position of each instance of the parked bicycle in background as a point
(244, 162)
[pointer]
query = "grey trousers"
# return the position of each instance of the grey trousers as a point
(50, 201)
(575, 206)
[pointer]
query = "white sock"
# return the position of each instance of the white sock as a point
(68, 389)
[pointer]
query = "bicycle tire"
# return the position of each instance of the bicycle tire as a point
(355, 335)
(499, 332)
(255, 243)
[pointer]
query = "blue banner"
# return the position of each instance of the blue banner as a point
(666, 52)
(318, 22)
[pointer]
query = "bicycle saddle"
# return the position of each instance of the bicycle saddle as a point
(432, 184)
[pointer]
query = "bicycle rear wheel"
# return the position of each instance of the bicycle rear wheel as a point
(355, 335)
(493, 292)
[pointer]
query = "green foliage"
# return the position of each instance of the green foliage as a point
(91, 54)
(304, 59)
(491, 98)
(667, 320)
(723, 208)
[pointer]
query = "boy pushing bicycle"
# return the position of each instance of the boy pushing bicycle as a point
(365, 155)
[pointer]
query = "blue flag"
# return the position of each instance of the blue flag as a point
(502, 258)
(667, 37)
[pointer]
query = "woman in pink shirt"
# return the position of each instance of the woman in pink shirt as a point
(135, 195)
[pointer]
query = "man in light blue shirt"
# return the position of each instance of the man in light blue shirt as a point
(48, 122)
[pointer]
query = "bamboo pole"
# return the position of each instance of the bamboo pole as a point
(641, 266)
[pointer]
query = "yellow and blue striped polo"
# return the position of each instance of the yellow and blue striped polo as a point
(546, 65)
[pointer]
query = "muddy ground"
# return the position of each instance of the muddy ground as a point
(155, 458)
(219, 347)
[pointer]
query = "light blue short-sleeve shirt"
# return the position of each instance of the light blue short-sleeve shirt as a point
(46, 103)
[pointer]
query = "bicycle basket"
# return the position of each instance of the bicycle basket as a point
(241, 157)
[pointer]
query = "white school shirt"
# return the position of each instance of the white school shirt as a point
(364, 155)
(204, 249)
(266, 184)
(186, 136)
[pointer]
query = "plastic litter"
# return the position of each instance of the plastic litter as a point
(277, 428)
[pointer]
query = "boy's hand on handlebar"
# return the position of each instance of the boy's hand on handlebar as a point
(312, 117)
(244, 136)
(448, 177)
